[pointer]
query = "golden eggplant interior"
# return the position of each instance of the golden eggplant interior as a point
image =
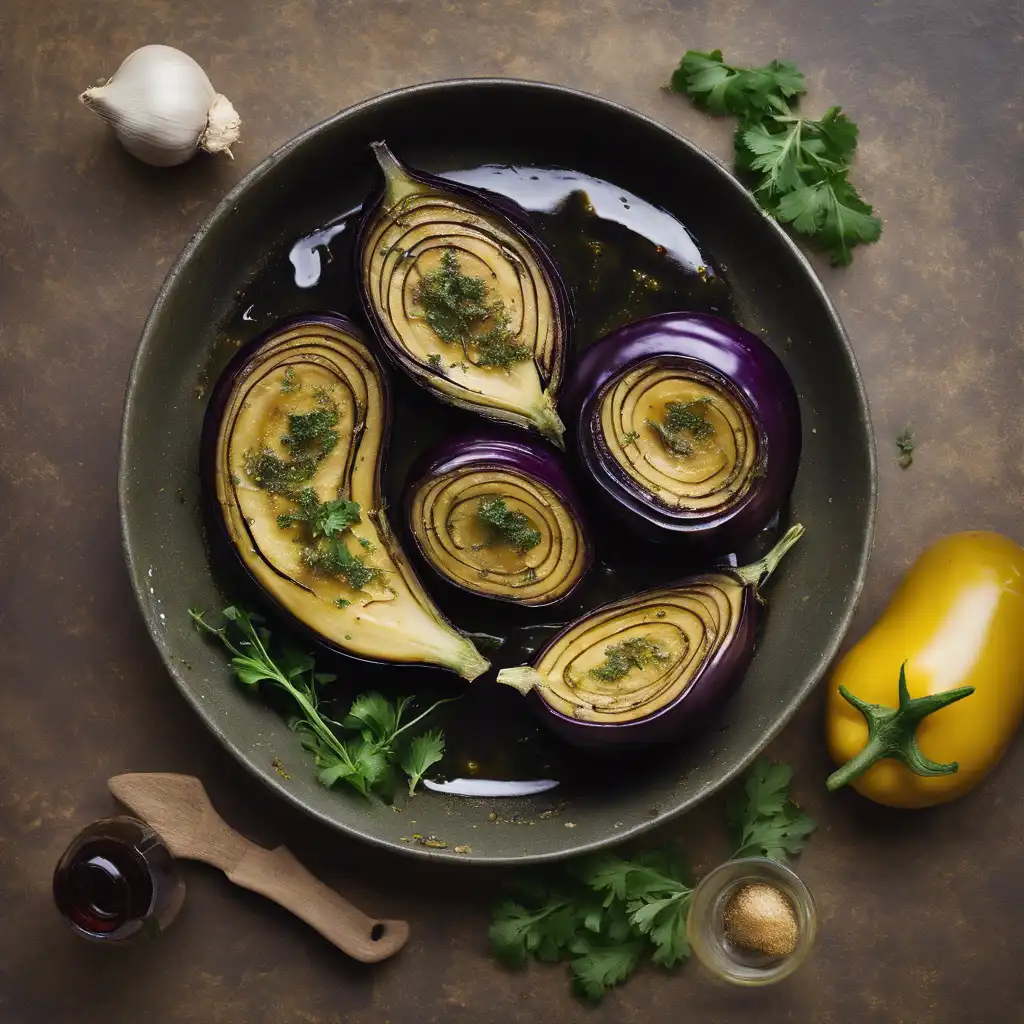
(682, 436)
(465, 298)
(626, 661)
(499, 534)
(298, 484)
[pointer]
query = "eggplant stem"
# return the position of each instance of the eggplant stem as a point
(524, 679)
(398, 185)
(756, 573)
(892, 733)
(545, 418)
(468, 661)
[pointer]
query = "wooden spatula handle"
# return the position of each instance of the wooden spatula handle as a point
(277, 875)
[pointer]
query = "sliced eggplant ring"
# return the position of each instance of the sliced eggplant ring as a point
(498, 517)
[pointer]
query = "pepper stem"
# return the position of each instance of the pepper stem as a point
(892, 732)
(398, 185)
(757, 572)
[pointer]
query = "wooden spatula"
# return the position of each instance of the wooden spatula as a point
(178, 807)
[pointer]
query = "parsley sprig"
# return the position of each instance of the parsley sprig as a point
(365, 747)
(604, 913)
(799, 166)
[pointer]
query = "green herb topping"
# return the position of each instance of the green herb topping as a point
(327, 524)
(290, 382)
(364, 748)
(682, 424)
(621, 658)
(506, 526)
(799, 166)
(323, 518)
(605, 913)
(455, 306)
(905, 446)
(310, 439)
(435, 360)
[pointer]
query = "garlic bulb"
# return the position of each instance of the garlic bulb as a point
(163, 108)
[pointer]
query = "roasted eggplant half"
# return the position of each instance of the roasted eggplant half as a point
(464, 296)
(689, 426)
(648, 668)
(293, 445)
(496, 515)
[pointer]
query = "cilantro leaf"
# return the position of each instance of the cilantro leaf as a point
(763, 820)
(518, 931)
(372, 713)
(598, 968)
(723, 89)
(425, 750)
(833, 214)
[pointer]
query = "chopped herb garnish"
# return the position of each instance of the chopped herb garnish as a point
(289, 383)
(457, 309)
(333, 558)
(327, 523)
(682, 424)
(270, 472)
(435, 360)
(312, 433)
(505, 525)
(905, 446)
(342, 602)
(367, 544)
(621, 658)
(631, 438)
(311, 437)
(324, 518)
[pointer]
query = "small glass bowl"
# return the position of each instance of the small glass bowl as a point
(705, 924)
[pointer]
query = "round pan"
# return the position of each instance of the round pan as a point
(328, 169)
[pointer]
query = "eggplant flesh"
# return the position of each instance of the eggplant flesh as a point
(503, 359)
(298, 421)
(645, 669)
(537, 561)
(705, 466)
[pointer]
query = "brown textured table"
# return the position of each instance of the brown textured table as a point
(921, 914)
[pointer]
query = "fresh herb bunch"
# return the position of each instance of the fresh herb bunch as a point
(799, 166)
(506, 525)
(605, 913)
(456, 307)
(363, 749)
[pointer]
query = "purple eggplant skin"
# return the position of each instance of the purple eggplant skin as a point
(728, 351)
(221, 544)
(515, 215)
(712, 687)
(501, 448)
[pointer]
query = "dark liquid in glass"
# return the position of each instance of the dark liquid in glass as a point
(117, 880)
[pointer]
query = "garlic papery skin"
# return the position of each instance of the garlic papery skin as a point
(163, 108)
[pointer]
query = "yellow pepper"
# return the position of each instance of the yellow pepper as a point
(925, 705)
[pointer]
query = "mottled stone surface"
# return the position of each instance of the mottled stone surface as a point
(921, 918)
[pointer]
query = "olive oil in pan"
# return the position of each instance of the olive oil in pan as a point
(623, 259)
